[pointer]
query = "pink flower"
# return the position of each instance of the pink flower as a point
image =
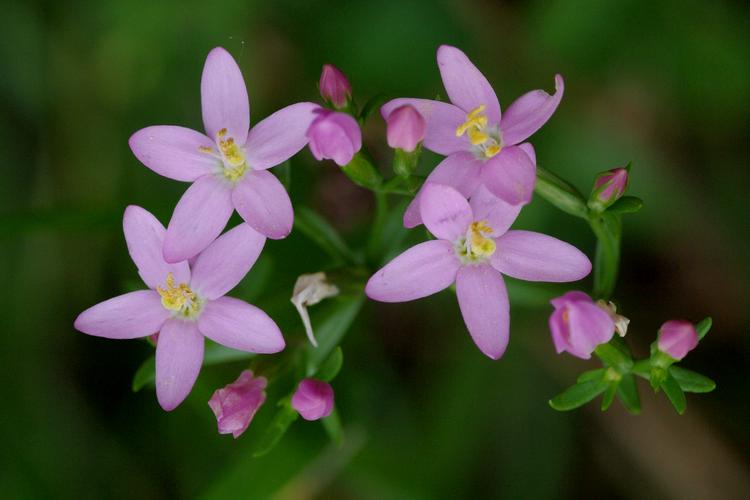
(236, 404)
(474, 249)
(677, 338)
(334, 135)
(578, 324)
(610, 186)
(184, 303)
(334, 87)
(482, 147)
(313, 399)
(227, 166)
(406, 128)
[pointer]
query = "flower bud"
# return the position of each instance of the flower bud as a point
(578, 325)
(609, 187)
(235, 405)
(334, 135)
(313, 399)
(677, 338)
(334, 87)
(406, 128)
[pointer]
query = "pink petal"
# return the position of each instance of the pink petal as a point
(484, 305)
(537, 257)
(589, 326)
(420, 271)
(498, 214)
(560, 331)
(198, 218)
(529, 112)
(280, 136)
(445, 212)
(239, 325)
(179, 356)
(465, 84)
(528, 148)
(226, 261)
(128, 316)
(224, 97)
(173, 152)
(442, 121)
(144, 235)
(511, 176)
(264, 204)
(461, 171)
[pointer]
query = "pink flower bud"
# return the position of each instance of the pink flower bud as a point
(406, 128)
(313, 399)
(677, 338)
(334, 135)
(235, 405)
(609, 186)
(334, 87)
(578, 325)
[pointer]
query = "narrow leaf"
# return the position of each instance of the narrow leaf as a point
(626, 205)
(608, 230)
(642, 368)
(331, 366)
(322, 234)
(672, 389)
(331, 321)
(560, 193)
(372, 105)
(590, 375)
(703, 327)
(691, 381)
(332, 425)
(280, 423)
(145, 374)
(609, 395)
(627, 392)
(578, 395)
(614, 357)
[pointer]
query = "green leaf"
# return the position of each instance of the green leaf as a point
(703, 327)
(590, 375)
(614, 357)
(214, 354)
(322, 234)
(280, 423)
(672, 389)
(626, 205)
(371, 105)
(332, 425)
(627, 392)
(578, 395)
(608, 230)
(331, 321)
(331, 366)
(560, 193)
(609, 395)
(691, 381)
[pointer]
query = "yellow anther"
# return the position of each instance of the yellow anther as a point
(233, 154)
(476, 137)
(480, 244)
(492, 150)
(178, 298)
(221, 133)
(234, 174)
(476, 112)
(205, 149)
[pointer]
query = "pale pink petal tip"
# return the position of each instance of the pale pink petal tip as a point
(406, 128)
(236, 404)
(313, 399)
(677, 338)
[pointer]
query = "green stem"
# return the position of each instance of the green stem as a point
(381, 211)
(608, 230)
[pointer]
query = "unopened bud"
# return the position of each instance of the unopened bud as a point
(406, 128)
(608, 188)
(313, 399)
(334, 86)
(236, 404)
(335, 136)
(677, 338)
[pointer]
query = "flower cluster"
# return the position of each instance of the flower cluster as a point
(469, 202)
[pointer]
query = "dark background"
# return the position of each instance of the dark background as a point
(662, 83)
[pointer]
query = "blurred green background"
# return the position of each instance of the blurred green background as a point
(662, 83)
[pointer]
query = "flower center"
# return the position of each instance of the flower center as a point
(484, 138)
(180, 299)
(477, 246)
(231, 155)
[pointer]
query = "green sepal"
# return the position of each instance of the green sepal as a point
(642, 368)
(615, 357)
(626, 205)
(703, 327)
(214, 354)
(590, 375)
(578, 395)
(609, 395)
(675, 394)
(560, 193)
(331, 366)
(405, 162)
(362, 172)
(691, 381)
(284, 417)
(333, 427)
(627, 392)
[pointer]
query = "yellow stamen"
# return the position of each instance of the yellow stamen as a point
(205, 149)
(236, 173)
(477, 137)
(476, 119)
(475, 127)
(480, 244)
(178, 298)
(492, 150)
